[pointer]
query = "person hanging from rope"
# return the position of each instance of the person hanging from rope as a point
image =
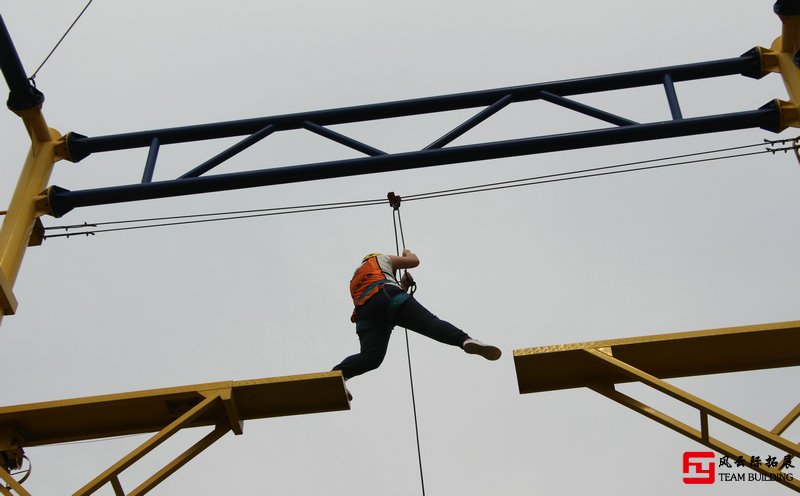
(382, 301)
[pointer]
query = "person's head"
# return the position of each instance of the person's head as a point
(369, 256)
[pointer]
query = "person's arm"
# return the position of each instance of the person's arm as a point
(408, 260)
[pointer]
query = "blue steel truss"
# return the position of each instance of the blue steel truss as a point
(488, 103)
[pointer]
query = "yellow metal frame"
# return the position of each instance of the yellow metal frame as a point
(12, 485)
(28, 203)
(600, 365)
(779, 58)
(111, 475)
(705, 410)
(223, 405)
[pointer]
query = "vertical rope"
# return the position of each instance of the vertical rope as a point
(397, 220)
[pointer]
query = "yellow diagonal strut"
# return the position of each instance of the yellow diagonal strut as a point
(149, 445)
(12, 484)
(600, 365)
(223, 405)
(705, 408)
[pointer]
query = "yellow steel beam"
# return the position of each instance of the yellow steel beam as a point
(149, 411)
(780, 58)
(225, 405)
(714, 351)
(600, 365)
(703, 406)
(181, 460)
(146, 447)
(12, 484)
(701, 436)
(27, 203)
(787, 420)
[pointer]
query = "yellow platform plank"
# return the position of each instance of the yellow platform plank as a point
(136, 412)
(714, 351)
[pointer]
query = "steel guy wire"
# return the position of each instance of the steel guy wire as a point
(530, 181)
(33, 77)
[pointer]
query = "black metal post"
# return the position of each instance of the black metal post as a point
(23, 95)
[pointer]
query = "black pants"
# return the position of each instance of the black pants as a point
(375, 339)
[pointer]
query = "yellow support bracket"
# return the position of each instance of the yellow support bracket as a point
(146, 447)
(701, 436)
(787, 421)
(181, 460)
(600, 365)
(782, 58)
(12, 484)
(701, 405)
(231, 411)
(223, 405)
(21, 226)
(8, 302)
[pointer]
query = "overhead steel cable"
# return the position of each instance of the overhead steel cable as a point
(530, 181)
(33, 77)
(490, 186)
(217, 217)
(558, 177)
(317, 206)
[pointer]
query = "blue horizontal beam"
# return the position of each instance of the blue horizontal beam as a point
(747, 64)
(767, 117)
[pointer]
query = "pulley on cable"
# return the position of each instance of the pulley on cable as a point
(394, 201)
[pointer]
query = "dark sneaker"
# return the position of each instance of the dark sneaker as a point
(475, 347)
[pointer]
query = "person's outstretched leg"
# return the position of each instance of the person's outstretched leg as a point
(412, 315)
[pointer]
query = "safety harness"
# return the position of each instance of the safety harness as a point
(366, 282)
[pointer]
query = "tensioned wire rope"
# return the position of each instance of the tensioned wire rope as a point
(33, 76)
(588, 173)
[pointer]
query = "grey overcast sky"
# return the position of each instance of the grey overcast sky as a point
(678, 249)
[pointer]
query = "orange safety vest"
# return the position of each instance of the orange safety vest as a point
(368, 280)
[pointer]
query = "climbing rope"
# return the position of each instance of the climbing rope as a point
(394, 202)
